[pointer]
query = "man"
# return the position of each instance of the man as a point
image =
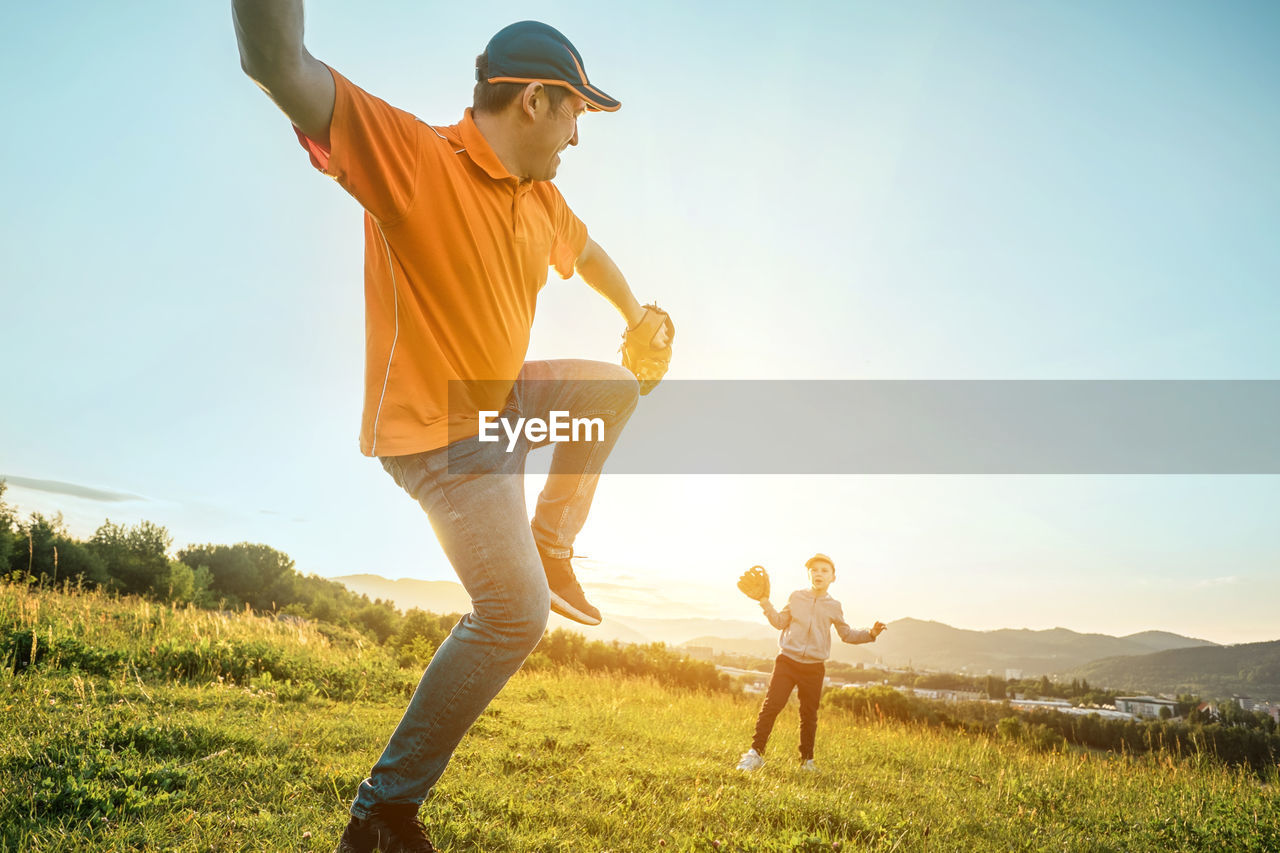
(461, 226)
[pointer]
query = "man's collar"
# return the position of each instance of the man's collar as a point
(479, 149)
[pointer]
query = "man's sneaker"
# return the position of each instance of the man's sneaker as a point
(751, 760)
(389, 829)
(567, 597)
(808, 764)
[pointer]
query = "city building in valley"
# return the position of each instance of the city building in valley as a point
(1145, 706)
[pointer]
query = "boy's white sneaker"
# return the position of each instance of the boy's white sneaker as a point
(751, 760)
(808, 764)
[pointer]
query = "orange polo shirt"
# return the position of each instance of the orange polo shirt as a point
(456, 250)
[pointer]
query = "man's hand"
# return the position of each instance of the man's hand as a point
(646, 347)
(877, 629)
(754, 583)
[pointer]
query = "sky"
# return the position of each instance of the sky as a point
(918, 190)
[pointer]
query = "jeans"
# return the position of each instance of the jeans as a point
(807, 679)
(473, 494)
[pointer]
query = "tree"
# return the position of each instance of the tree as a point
(39, 558)
(232, 575)
(1009, 728)
(42, 549)
(257, 575)
(378, 618)
(419, 624)
(275, 571)
(8, 530)
(184, 585)
(136, 557)
(77, 563)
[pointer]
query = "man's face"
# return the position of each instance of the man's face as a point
(554, 129)
(821, 575)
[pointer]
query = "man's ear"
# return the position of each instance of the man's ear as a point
(532, 99)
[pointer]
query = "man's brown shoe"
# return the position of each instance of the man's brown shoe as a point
(567, 597)
(388, 829)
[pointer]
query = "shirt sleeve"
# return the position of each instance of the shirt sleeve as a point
(778, 620)
(570, 236)
(847, 633)
(373, 150)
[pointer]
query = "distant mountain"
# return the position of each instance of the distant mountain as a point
(908, 642)
(1160, 641)
(675, 632)
(933, 645)
(758, 647)
(406, 593)
(451, 597)
(1248, 669)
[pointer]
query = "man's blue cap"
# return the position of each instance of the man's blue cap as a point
(532, 52)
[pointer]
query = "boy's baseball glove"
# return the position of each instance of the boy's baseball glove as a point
(754, 583)
(648, 362)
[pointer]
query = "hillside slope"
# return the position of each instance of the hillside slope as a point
(908, 642)
(449, 597)
(133, 730)
(933, 645)
(1248, 669)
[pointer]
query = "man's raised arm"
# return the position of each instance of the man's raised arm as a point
(269, 33)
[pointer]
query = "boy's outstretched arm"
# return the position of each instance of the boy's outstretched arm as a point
(849, 634)
(778, 619)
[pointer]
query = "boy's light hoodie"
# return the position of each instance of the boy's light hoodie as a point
(806, 622)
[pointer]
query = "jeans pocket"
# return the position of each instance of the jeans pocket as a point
(468, 458)
(511, 408)
(393, 466)
(411, 472)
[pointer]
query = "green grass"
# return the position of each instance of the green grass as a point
(108, 748)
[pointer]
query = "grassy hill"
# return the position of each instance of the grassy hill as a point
(128, 725)
(1248, 669)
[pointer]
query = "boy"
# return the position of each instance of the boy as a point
(805, 645)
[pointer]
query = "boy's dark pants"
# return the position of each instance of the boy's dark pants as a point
(787, 673)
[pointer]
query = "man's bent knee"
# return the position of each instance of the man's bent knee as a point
(627, 389)
(516, 625)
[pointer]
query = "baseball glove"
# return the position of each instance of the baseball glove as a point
(754, 583)
(641, 355)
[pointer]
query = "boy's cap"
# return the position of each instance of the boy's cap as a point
(532, 52)
(820, 558)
